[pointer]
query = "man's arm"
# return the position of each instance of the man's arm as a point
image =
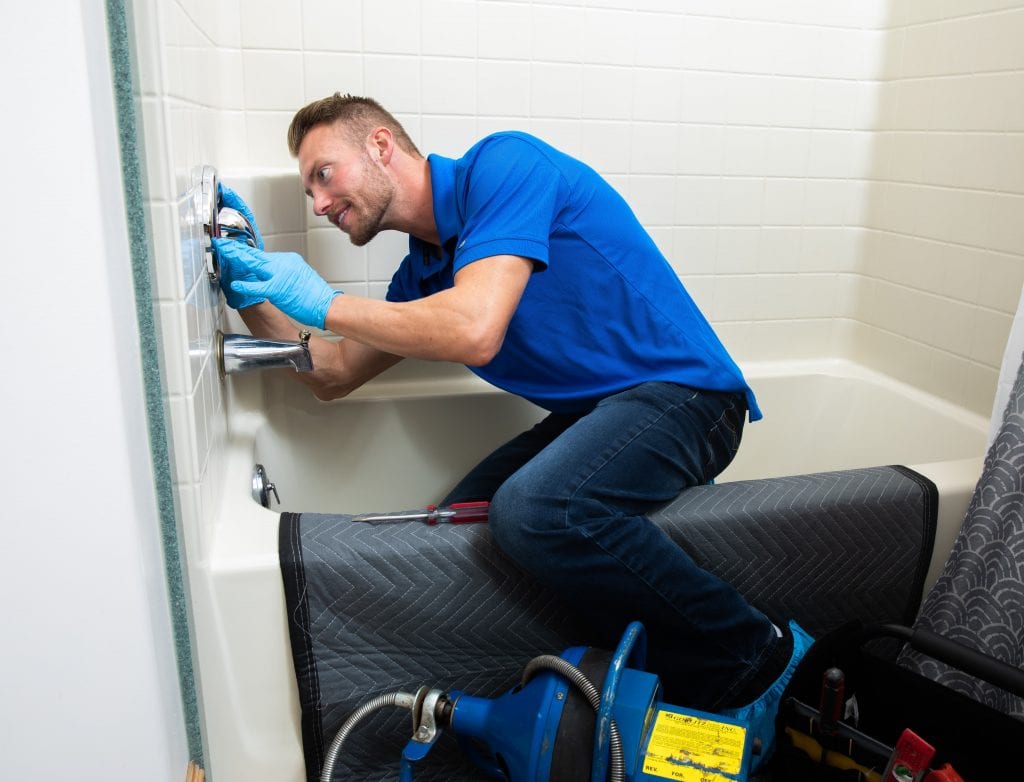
(465, 324)
(338, 367)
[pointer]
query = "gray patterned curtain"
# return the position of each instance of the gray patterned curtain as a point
(979, 598)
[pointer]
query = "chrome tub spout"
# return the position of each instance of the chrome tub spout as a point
(242, 353)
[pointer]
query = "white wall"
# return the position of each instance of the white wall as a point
(87, 668)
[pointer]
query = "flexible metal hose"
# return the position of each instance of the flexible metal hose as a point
(616, 768)
(403, 700)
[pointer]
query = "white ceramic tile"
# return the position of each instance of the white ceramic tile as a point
(230, 141)
(700, 149)
(737, 297)
(827, 249)
(792, 102)
(449, 136)
(325, 74)
(608, 92)
(988, 337)
(449, 28)
(780, 249)
(700, 97)
(266, 137)
(392, 28)
(826, 202)
(394, 81)
(556, 90)
(652, 199)
(228, 79)
(738, 250)
(186, 459)
(197, 347)
(948, 375)
(653, 148)
(557, 34)
(334, 257)
(951, 326)
(149, 48)
(609, 37)
(504, 31)
(563, 134)
(273, 80)
(332, 26)
(449, 86)
(271, 24)
(384, 254)
(784, 201)
(664, 238)
(157, 163)
(746, 151)
(657, 40)
(174, 346)
(190, 510)
(696, 248)
(698, 200)
(503, 88)
(200, 418)
(606, 146)
(1005, 228)
(656, 95)
(980, 388)
(1000, 282)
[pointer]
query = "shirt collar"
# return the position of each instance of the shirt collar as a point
(442, 185)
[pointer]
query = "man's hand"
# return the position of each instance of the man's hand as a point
(230, 198)
(232, 271)
(285, 279)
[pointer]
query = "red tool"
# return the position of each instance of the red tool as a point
(945, 774)
(456, 513)
(909, 761)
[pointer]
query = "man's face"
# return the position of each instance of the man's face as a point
(347, 184)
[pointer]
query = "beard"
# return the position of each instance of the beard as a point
(378, 192)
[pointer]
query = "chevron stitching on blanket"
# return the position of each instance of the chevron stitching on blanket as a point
(397, 606)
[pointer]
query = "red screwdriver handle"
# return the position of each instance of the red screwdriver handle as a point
(469, 512)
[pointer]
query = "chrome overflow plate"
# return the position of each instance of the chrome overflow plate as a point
(262, 487)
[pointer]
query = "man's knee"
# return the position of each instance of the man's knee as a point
(519, 521)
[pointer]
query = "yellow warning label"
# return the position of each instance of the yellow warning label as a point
(694, 749)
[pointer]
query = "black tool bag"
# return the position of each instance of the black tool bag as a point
(880, 699)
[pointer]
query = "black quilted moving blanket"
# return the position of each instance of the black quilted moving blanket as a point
(373, 609)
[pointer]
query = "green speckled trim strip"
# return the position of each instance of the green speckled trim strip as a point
(126, 94)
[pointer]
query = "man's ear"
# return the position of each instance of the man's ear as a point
(381, 144)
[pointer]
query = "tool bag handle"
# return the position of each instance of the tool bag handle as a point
(954, 653)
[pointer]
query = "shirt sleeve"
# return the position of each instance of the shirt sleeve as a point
(510, 201)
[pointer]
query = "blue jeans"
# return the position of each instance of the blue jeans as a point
(568, 504)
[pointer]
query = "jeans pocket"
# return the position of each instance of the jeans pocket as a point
(723, 440)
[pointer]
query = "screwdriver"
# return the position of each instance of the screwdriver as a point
(456, 513)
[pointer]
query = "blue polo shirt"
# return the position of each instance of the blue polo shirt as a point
(603, 310)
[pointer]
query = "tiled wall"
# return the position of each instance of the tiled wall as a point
(179, 84)
(943, 258)
(829, 179)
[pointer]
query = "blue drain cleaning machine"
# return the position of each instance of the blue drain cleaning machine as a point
(556, 724)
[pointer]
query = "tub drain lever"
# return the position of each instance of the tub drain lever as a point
(456, 513)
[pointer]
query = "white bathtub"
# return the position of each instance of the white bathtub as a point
(404, 439)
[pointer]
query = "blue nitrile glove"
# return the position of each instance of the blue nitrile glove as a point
(233, 271)
(285, 279)
(230, 198)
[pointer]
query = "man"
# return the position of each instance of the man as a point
(525, 265)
